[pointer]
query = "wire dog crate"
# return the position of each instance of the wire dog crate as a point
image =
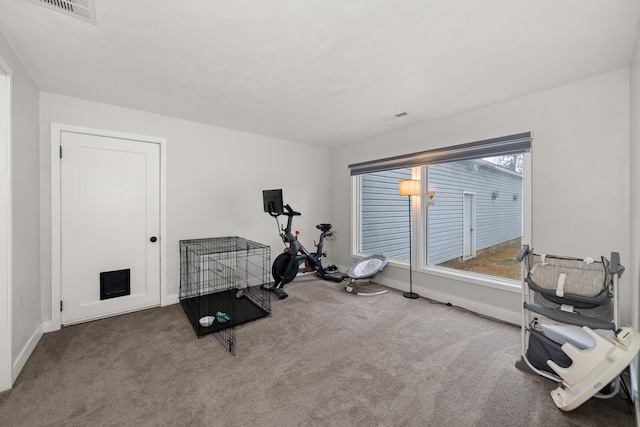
(221, 282)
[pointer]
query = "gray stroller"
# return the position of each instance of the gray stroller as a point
(570, 325)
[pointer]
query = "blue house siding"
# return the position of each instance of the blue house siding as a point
(384, 223)
(496, 221)
(444, 220)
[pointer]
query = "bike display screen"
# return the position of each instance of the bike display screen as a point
(272, 200)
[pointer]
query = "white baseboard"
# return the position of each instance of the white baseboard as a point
(169, 300)
(48, 326)
(26, 351)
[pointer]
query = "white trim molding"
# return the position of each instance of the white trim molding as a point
(6, 227)
(26, 351)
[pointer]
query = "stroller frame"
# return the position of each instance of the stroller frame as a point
(550, 305)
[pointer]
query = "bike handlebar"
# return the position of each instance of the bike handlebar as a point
(290, 211)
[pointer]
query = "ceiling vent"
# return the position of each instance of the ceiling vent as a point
(81, 9)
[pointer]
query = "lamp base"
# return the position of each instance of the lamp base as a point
(411, 295)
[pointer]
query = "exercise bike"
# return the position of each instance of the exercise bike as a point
(287, 265)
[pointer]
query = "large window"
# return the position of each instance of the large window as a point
(470, 215)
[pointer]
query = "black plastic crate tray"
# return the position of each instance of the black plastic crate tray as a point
(240, 310)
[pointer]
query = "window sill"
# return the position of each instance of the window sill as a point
(474, 278)
(507, 285)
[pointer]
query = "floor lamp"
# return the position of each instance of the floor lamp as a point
(409, 187)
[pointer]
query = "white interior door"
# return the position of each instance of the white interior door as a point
(469, 226)
(110, 224)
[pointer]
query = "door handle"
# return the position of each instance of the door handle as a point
(153, 239)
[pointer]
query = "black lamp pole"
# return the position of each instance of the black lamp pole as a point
(410, 294)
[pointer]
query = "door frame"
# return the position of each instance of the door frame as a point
(7, 376)
(56, 213)
(465, 225)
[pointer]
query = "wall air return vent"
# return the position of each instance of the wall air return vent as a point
(81, 9)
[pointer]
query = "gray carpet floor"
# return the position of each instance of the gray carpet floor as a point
(323, 358)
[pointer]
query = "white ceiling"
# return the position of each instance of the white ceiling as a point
(322, 72)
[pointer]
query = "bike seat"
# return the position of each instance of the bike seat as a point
(324, 227)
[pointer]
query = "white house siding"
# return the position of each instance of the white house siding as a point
(496, 221)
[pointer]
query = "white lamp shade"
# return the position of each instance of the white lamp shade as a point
(409, 187)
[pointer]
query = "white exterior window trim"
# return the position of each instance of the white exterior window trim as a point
(473, 225)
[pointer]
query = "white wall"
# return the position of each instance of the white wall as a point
(634, 154)
(26, 213)
(24, 283)
(634, 262)
(6, 242)
(580, 170)
(215, 178)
